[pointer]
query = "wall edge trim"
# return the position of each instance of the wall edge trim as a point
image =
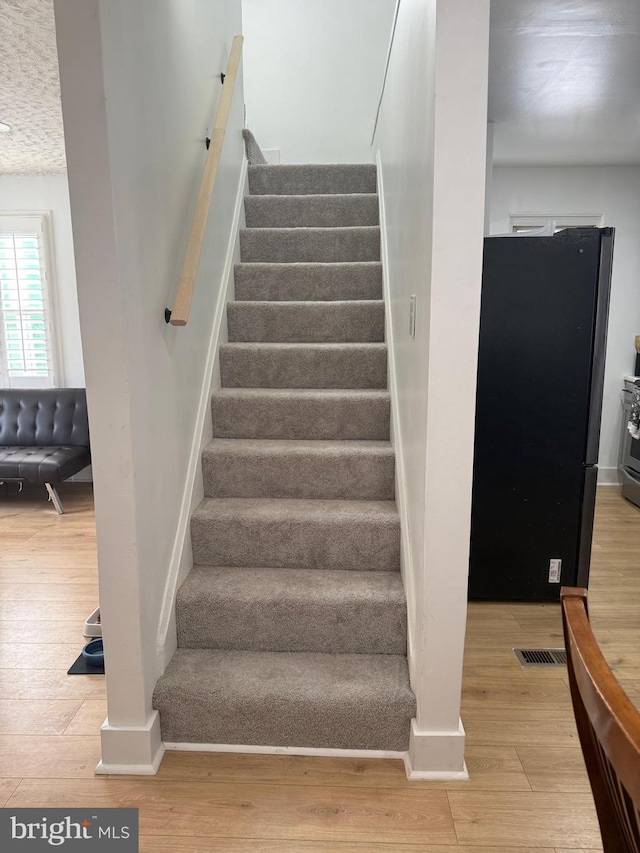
(408, 571)
(166, 630)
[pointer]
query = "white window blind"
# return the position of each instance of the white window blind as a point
(27, 342)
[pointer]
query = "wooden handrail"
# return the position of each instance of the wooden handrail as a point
(184, 293)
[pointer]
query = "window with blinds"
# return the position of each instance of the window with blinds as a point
(26, 333)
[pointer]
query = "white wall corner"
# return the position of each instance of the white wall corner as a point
(181, 556)
(436, 756)
(131, 750)
(488, 180)
(608, 477)
(282, 104)
(434, 170)
(272, 156)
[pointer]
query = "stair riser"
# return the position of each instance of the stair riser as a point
(290, 626)
(252, 366)
(203, 720)
(349, 418)
(296, 699)
(352, 544)
(314, 322)
(300, 282)
(328, 476)
(331, 211)
(303, 180)
(317, 245)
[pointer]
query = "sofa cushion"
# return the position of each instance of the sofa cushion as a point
(44, 417)
(42, 464)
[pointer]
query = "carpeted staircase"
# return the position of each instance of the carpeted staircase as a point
(292, 623)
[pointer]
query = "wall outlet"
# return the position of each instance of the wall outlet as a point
(412, 316)
(555, 570)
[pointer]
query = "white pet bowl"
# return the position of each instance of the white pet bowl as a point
(92, 626)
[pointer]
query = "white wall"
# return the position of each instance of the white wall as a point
(614, 192)
(431, 142)
(51, 193)
(140, 82)
(313, 73)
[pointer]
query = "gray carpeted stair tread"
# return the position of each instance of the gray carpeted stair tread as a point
(292, 610)
(317, 365)
(311, 211)
(248, 468)
(320, 245)
(296, 282)
(350, 535)
(316, 179)
(337, 322)
(298, 699)
(275, 413)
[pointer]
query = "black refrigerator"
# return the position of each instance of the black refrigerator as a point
(543, 331)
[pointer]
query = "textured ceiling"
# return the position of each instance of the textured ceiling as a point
(30, 90)
(564, 82)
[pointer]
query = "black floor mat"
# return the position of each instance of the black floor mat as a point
(81, 667)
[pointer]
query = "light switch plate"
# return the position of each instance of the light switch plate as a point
(412, 316)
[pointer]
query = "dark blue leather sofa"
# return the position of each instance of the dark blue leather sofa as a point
(44, 436)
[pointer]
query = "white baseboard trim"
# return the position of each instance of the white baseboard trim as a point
(608, 477)
(318, 752)
(272, 156)
(436, 755)
(435, 775)
(103, 769)
(440, 750)
(402, 500)
(132, 750)
(181, 552)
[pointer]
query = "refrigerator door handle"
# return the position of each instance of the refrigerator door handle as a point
(599, 345)
(586, 525)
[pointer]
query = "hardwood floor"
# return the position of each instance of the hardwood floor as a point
(528, 790)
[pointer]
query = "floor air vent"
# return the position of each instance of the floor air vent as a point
(541, 657)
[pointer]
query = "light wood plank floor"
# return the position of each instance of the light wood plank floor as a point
(528, 789)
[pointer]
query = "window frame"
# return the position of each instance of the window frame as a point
(40, 223)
